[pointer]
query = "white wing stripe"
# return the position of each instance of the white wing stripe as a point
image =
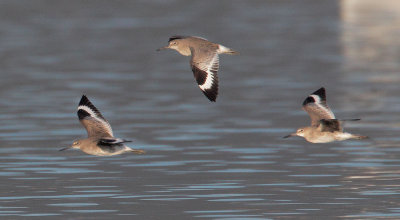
(88, 110)
(209, 81)
(318, 103)
(210, 75)
(105, 124)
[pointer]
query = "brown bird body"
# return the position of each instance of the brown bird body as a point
(204, 62)
(324, 126)
(100, 141)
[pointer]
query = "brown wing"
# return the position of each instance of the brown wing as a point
(330, 125)
(316, 107)
(96, 125)
(205, 65)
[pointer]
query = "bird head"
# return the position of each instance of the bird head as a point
(174, 43)
(76, 145)
(300, 132)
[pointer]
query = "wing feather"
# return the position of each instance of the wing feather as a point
(205, 65)
(330, 125)
(90, 117)
(317, 108)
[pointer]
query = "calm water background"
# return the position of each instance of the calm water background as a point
(223, 160)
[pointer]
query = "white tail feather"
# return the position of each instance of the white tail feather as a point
(223, 49)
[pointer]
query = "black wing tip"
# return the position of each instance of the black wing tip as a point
(321, 93)
(84, 100)
(341, 120)
(211, 97)
(330, 120)
(211, 94)
(351, 119)
(175, 37)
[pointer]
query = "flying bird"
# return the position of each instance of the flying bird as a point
(204, 61)
(324, 125)
(100, 141)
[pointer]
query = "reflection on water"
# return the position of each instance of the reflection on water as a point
(370, 36)
(223, 160)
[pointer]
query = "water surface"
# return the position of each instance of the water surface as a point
(224, 160)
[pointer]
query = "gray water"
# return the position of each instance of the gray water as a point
(223, 160)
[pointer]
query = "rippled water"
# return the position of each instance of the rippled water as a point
(223, 160)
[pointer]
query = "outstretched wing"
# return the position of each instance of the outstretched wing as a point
(205, 65)
(112, 141)
(112, 145)
(90, 117)
(316, 107)
(330, 125)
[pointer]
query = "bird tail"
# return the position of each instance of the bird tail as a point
(226, 50)
(135, 151)
(354, 136)
(358, 137)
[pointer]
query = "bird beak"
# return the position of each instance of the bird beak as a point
(290, 135)
(162, 48)
(65, 148)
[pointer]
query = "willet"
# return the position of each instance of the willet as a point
(324, 126)
(204, 62)
(100, 141)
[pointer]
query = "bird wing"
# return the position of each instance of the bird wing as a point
(111, 145)
(90, 117)
(205, 65)
(111, 141)
(201, 38)
(330, 125)
(316, 107)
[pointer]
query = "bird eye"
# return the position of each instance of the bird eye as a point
(75, 143)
